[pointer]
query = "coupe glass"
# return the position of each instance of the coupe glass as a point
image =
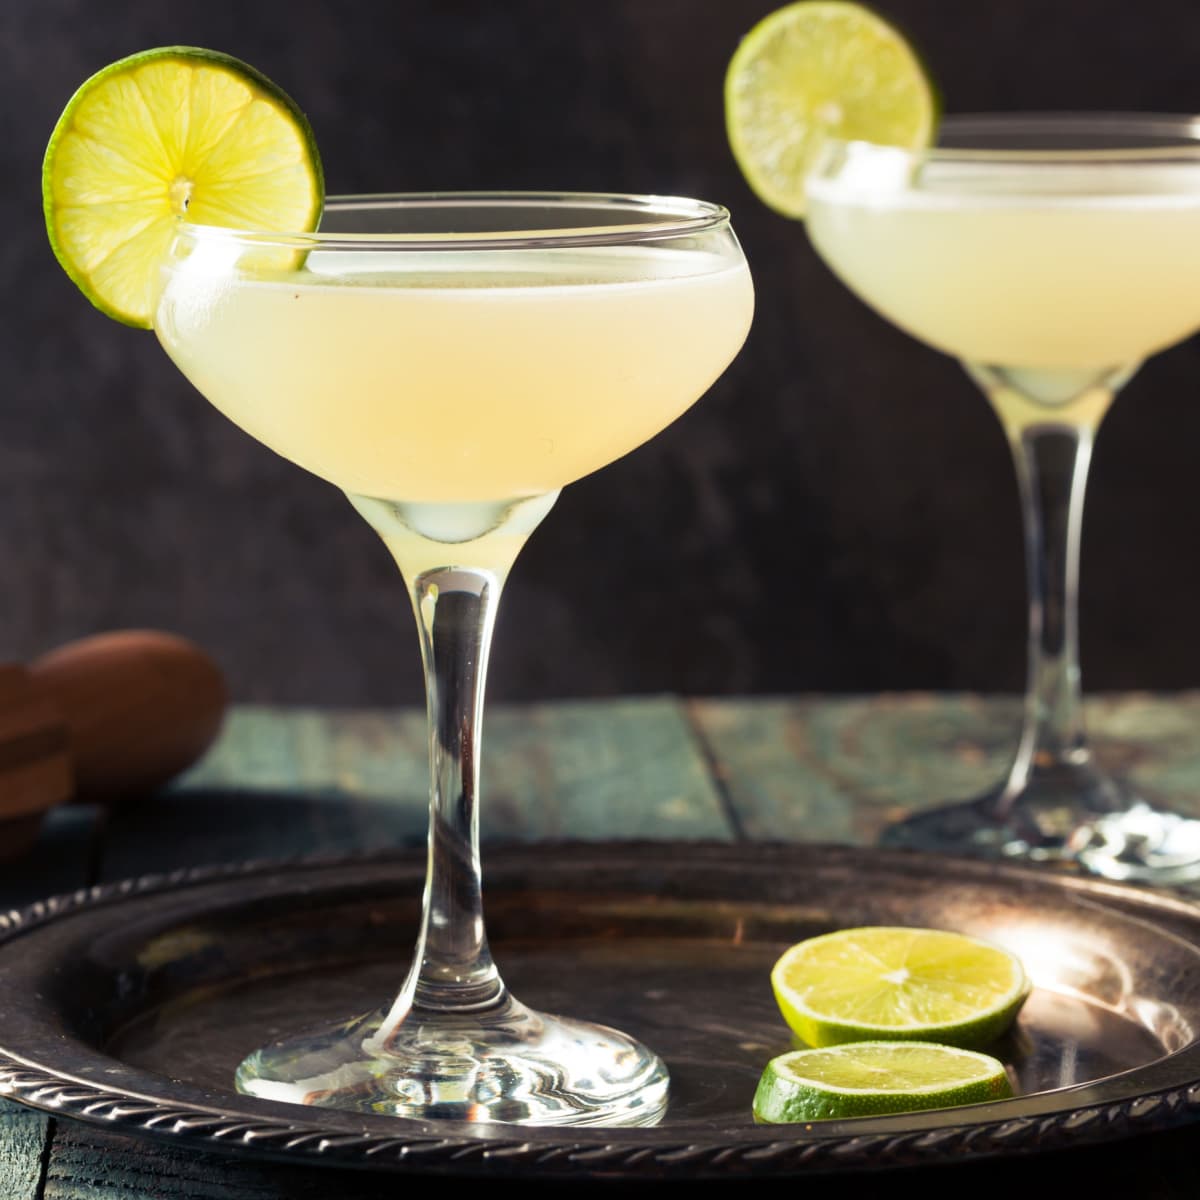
(450, 362)
(1051, 254)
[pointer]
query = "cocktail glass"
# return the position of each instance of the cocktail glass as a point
(451, 362)
(1051, 254)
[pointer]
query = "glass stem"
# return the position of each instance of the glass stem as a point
(455, 608)
(456, 611)
(1051, 418)
(1052, 465)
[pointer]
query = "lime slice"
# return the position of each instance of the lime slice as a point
(817, 69)
(158, 134)
(893, 982)
(867, 1078)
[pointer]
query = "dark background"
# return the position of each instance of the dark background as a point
(839, 512)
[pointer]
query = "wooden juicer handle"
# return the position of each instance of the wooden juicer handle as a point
(103, 720)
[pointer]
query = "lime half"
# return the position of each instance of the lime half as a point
(869, 1078)
(894, 982)
(818, 69)
(158, 134)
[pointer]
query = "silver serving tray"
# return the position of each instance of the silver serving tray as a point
(129, 1005)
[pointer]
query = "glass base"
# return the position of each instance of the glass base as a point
(1071, 815)
(505, 1063)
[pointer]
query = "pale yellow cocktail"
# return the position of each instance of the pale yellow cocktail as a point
(479, 376)
(1037, 269)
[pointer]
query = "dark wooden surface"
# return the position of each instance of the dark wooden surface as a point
(292, 781)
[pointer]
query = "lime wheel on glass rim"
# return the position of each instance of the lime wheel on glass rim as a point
(817, 69)
(159, 134)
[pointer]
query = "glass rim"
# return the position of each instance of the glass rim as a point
(1175, 136)
(666, 217)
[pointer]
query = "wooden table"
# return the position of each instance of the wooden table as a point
(285, 782)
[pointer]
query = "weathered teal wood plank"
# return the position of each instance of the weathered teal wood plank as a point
(840, 769)
(23, 1136)
(286, 782)
(628, 768)
(278, 784)
(90, 1163)
(1161, 1168)
(57, 862)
